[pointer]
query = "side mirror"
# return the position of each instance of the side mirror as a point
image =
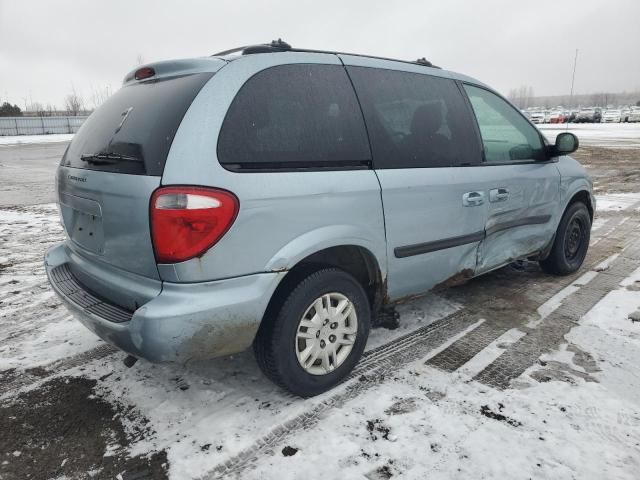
(566, 143)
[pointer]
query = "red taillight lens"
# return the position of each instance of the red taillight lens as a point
(144, 72)
(188, 221)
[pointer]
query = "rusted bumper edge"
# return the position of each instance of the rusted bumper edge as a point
(185, 322)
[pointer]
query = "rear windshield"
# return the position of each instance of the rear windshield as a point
(132, 131)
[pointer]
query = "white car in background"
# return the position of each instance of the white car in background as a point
(634, 114)
(625, 114)
(612, 116)
(537, 116)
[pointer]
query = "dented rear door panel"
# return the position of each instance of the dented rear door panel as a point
(432, 237)
(521, 221)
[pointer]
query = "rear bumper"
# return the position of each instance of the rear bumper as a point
(184, 322)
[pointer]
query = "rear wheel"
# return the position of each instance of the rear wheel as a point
(314, 334)
(571, 242)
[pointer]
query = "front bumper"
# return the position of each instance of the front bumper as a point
(184, 322)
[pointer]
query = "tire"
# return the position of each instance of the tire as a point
(571, 241)
(278, 344)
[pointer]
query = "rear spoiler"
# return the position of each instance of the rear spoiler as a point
(173, 68)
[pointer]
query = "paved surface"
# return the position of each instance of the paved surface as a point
(27, 173)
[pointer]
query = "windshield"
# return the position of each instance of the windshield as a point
(132, 131)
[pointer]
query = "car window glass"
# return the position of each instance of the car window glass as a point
(133, 130)
(506, 135)
(294, 116)
(415, 120)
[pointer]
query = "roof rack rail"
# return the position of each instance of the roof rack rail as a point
(424, 61)
(278, 45)
(282, 46)
(275, 46)
(229, 52)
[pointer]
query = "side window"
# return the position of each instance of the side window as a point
(415, 120)
(294, 116)
(507, 137)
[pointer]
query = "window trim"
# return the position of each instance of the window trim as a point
(543, 140)
(284, 166)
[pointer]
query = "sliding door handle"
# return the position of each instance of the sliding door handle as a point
(473, 199)
(498, 194)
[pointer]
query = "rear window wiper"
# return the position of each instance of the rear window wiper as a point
(107, 158)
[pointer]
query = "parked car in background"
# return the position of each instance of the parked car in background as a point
(625, 114)
(612, 116)
(589, 115)
(557, 116)
(570, 115)
(537, 116)
(634, 114)
(279, 198)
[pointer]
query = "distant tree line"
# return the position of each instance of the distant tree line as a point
(523, 97)
(8, 110)
(74, 104)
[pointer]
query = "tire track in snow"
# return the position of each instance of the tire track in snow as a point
(29, 377)
(424, 342)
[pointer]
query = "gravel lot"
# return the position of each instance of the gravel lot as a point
(515, 374)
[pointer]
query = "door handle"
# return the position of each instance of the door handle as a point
(498, 194)
(473, 199)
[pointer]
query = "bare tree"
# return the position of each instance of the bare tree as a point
(139, 59)
(36, 107)
(522, 96)
(74, 103)
(602, 99)
(99, 95)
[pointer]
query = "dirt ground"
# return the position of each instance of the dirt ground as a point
(81, 414)
(76, 429)
(613, 170)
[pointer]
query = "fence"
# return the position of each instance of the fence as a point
(39, 125)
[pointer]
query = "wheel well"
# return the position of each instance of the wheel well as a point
(355, 260)
(583, 196)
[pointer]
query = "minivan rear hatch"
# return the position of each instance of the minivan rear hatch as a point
(113, 165)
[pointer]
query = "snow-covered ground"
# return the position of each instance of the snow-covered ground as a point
(426, 423)
(419, 421)
(616, 201)
(30, 139)
(618, 135)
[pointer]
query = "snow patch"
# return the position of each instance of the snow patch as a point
(31, 139)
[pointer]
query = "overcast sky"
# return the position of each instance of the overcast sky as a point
(49, 46)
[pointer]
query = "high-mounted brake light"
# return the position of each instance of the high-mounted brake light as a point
(188, 221)
(144, 72)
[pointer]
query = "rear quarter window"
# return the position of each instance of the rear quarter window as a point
(294, 117)
(133, 130)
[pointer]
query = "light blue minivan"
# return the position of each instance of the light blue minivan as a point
(278, 198)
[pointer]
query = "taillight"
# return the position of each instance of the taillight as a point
(188, 221)
(144, 72)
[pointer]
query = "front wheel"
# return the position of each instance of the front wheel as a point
(315, 333)
(571, 242)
